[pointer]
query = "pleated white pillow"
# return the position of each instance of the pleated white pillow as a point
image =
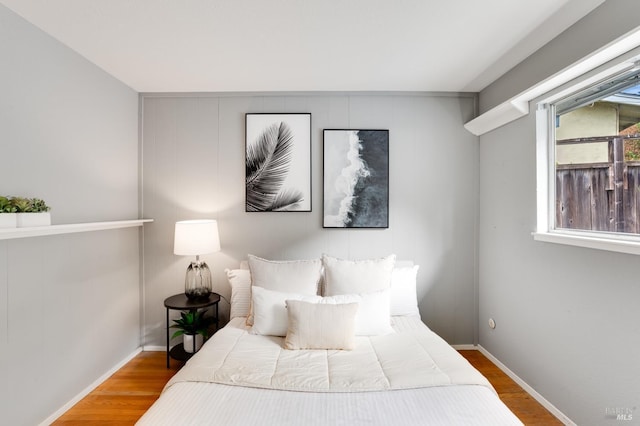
(404, 297)
(356, 276)
(320, 325)
(373, 317)
(294, 276)
(240, 282)
(289, 276)
(270, 310)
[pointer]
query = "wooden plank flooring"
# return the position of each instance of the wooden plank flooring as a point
(528, 410)
(126, 395)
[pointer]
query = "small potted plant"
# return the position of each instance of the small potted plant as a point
(7, 213)
(31, 212)
(190, 325)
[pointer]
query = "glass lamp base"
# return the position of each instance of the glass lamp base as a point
(197, 283)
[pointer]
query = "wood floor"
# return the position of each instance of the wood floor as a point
(528, 410)
(126, 395)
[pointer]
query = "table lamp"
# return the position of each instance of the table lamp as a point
(196, 237)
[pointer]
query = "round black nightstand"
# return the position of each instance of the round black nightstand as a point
(182, 303)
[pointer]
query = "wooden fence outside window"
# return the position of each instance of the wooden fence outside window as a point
(599, 196)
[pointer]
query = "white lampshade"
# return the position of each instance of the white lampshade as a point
(196, 237)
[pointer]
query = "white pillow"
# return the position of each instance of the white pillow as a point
(299, 276)
(320, 325)
(240, 282)
(356, 276)
(270, 312)
(404, 298)
(373, 317)
(292, 276)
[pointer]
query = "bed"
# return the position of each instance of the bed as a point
(358, 354)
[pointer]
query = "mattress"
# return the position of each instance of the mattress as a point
(222, 384)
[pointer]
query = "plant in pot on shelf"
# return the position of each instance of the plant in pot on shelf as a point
(7, 213)
(191, 325)
(31, 212)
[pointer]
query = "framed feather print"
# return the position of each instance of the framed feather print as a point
(278, 162)
(356, 178)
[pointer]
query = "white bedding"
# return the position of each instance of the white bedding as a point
(410, 357)
(191, 404)
(409, 377)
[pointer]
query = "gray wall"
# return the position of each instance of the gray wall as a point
(69, 304)
(193, 167)
(567, 317)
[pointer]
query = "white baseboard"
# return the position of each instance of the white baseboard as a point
(465, 347)
(528, 389)
(53, 417)
(150, 348)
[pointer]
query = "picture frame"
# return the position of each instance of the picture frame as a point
(355, 178)
(278, 162)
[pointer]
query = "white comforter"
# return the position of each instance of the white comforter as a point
(412, 357)
(429, 384)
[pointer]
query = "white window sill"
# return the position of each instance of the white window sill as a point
(598, 241)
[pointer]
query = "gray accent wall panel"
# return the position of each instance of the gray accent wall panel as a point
(69, 130)
(5, 386)
(193, 167)
(567, 317)
(72, 312)
(69, 304)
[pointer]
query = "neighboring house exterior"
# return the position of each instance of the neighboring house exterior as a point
(598, 119)
(602, 118)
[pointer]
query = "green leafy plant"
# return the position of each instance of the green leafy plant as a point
(22, 205)
(632, 150)
(191, 322)
(28, 205)
(38, 205)
(6, 206)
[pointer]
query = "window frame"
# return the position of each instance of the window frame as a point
(545, 166)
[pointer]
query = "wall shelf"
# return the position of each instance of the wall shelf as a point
(13, 233)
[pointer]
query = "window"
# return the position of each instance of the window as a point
(592, 155)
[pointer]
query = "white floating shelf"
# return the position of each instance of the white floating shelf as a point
(12, 233)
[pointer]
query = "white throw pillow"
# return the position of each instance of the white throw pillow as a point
(299, 276)
(291, 276)
(240, 282)
(404, 298)
(373, 317)
(320, 325)
(356, 276)
(270, 311)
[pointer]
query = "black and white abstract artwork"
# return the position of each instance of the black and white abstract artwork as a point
(278, 162)
(356, 179)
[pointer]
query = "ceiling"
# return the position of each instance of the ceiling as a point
(303, 45)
